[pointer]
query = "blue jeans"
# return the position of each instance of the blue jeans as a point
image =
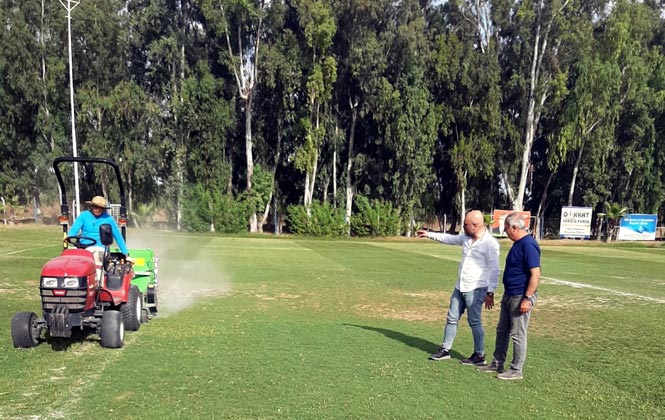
(472, 302)
(512, 325)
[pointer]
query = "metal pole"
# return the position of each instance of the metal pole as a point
(71, 4)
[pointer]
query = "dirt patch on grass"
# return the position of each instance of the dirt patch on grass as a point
(278, 296)
(430, 295)
(427, 313)
(425, 306)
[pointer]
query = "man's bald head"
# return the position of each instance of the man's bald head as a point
(474, 224)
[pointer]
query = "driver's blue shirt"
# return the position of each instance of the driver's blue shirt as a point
(89, 225)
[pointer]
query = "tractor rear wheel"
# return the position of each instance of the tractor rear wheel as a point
(25, 331)
(131, 311)
(112, 330)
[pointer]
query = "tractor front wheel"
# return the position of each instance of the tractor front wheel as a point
(112, 330)
(131, 311)
(25, 330)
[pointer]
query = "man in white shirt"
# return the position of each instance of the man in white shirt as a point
(478, 278)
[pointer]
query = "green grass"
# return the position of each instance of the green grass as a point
(259, 328)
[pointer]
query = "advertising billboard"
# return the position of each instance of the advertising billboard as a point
(638, 227)
(575, 222)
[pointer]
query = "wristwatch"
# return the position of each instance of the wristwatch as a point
(527, 297)
(490, 294)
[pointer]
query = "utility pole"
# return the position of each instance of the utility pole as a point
(69, 5)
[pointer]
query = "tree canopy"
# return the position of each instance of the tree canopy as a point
(219, 109)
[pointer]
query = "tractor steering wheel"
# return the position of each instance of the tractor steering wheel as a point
(81, 242)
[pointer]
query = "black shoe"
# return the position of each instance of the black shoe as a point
(494, 367)
(474, 359)
(441, 354)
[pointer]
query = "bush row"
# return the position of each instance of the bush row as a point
(227, 214)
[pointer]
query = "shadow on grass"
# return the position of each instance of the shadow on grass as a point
(63, 344)
(411, 341)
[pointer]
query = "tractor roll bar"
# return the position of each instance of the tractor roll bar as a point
(64, 207)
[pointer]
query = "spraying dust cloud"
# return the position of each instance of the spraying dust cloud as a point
(184, 275)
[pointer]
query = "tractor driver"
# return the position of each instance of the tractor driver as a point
(88, 224)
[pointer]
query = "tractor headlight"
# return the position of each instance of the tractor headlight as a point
(49, 282)
(71, 282)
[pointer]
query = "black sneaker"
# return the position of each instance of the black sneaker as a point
(474, 359)
(494, 367)
(441, 354)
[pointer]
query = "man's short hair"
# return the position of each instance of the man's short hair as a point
(515, 219)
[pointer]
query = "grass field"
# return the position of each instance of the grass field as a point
(261, 328)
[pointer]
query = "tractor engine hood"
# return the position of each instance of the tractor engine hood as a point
(73, 264)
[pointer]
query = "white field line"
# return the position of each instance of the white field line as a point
(78, 392)
(606, 275)
(26, 250)
(576, 285)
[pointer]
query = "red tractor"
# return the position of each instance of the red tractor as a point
(77, 294)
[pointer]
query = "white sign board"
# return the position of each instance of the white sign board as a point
(575, 222)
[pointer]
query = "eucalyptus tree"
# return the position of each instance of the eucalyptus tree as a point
(316, 30)
(465, 81)
(99, 65)
(131, 116)
(53, 117)
(591, 114)
(358, 47)
(210, 116)
(279, 99)
(537, 41)
(630, 33)
(403, 110)
(240, 24)
(21, 88)
(360, 43)
(166, 39)
(112, 116)
(587, 110)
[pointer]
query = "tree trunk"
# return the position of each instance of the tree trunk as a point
(212, 217)
(534, 106)
(253, 222)
(463, 199)
(543, 199)
(278, 153)
(326, 185)
(576, 169)
(334, 167)
(349, 165)
(246, 89)
(48, 137)
(310, 176)
(180, 178)
(229, 181)
(510, 194)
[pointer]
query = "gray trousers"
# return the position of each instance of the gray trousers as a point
(512, 325)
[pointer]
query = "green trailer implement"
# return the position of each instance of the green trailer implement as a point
(146, 269)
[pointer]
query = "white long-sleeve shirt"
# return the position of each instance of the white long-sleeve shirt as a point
(480, 260)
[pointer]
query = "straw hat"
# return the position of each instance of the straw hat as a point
(97, 201)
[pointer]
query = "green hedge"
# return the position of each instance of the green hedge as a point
(202, 208)
(322, 220)
(375, 218)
